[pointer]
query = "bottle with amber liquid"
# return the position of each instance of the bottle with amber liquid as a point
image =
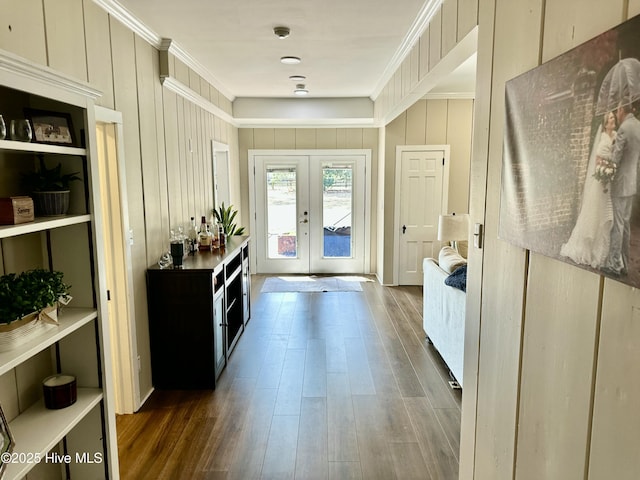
(205, 237)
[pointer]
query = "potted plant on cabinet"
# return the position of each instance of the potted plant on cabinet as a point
(225, 217)
(50, 188)
(29, 304)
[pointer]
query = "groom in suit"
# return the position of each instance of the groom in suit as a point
(624, 186)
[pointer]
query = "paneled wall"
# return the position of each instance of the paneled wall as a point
(556, 367)
(311, 138)
(167, 140)
(427, 122)
(451, 23)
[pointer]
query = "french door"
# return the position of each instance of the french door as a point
(310, 212)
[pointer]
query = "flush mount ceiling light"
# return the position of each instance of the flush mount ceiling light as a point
(297, 78)
(281, 32)
(290, 60)
(301, 90)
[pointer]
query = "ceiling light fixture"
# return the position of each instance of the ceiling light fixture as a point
(290, 60)
(301, 90)
(297, 78)
(281, 32)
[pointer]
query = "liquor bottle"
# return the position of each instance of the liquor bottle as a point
(204, 237)
(222, 237)
(192, 235)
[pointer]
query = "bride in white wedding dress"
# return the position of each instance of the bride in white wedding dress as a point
(589, 240)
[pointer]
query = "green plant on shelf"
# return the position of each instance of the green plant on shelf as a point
(226, 216)
(49, 179)
(30, 291)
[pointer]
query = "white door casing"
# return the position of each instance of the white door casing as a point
(310, 213)
(421, 196)
(110, 148)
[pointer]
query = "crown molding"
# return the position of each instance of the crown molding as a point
(176, 50)
(428, 10)
(113, 8)
(194, 97)
(123, 15)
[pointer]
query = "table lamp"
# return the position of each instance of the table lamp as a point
(453, 228)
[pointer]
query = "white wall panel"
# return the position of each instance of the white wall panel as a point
(560, 327)
(467, 17)
(64, 24)
(449, 25)
(435, 39)
(504, 266)
(99, 66)
(616, 417)
(22, 29)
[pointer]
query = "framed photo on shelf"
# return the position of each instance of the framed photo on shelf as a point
(51, 127)
(6, 440)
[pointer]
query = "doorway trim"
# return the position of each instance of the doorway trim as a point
(400, 149)
(125, 341)
(252, 154)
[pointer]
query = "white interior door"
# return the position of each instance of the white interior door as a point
(310, 213)
(420, 205)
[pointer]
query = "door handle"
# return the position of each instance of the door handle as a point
(306, 220)
(404, 229)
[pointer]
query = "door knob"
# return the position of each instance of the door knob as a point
(304, 221)
(404, 229)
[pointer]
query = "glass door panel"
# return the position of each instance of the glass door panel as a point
(282, 223)
(337, 209)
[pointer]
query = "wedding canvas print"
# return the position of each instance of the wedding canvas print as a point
(572, 153)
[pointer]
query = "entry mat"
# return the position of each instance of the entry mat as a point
(313, 283)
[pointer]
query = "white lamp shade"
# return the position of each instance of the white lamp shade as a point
(453, 227)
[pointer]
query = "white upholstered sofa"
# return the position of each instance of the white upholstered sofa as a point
(444, 309)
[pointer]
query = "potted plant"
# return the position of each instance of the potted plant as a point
(225, 217)
(50, 188)
(29, 304)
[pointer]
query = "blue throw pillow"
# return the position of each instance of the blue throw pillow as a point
(458, 279)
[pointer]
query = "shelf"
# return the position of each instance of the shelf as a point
(38, 430)
(70, 320)
(28, 147)
(42, 223)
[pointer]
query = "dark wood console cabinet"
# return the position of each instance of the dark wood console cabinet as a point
(197, 314)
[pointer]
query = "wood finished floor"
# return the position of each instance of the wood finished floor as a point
(335, 385)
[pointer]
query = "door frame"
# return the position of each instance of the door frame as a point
(252, 153)
(400, 149)
(125, 341)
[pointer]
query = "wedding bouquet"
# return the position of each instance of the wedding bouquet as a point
(605, 170)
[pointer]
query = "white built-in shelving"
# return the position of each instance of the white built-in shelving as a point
(40, 429)
(42, 224)
(72, 244)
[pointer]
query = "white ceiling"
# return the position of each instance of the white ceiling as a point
(349, 48)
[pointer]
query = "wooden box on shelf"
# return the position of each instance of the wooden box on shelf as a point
(16, 210)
